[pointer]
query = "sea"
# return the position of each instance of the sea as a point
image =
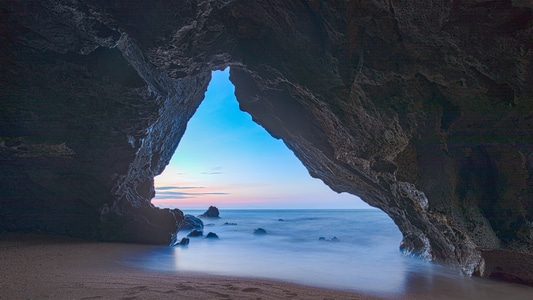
(353, 250)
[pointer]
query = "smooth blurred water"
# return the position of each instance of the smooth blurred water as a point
(365, 258)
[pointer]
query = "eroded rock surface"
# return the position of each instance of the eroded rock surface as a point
(423, 109)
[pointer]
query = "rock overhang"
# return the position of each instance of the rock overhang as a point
(424, 111)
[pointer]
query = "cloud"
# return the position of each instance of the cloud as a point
(182, 195)
(172, 192)
(213, 171)
(168, 188)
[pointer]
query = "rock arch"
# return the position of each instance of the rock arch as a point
(423, 110)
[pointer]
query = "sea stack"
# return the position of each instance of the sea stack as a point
(211, 212)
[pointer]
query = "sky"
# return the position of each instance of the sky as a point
(227, 160)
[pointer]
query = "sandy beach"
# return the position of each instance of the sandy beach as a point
(49, 267)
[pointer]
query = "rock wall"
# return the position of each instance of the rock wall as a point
(423, 109)
(86, 123)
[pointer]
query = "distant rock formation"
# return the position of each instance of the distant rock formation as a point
(211, 212)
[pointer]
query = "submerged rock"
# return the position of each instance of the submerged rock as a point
(211, 235)
(211, 212)
(184, 242)
(260, 231)
(334, 239)
(230, 223)
(195, 233)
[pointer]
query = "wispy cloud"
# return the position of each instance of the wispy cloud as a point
(168, 188)
(213, 171)
(175, 192)
(183, 195)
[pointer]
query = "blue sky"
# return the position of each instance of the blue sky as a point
(227, 160)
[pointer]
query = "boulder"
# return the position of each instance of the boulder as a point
(191, 222)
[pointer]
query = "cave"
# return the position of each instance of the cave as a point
(424, 110)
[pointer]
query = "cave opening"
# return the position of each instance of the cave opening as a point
(226, 160)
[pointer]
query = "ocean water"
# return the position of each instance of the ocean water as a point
(364, 257)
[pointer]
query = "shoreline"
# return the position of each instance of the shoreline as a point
(45, 266)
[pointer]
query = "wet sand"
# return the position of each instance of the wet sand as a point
(48, 267)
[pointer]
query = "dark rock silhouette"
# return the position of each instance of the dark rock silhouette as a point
(230, 223)
(211, 235)
(195, 233)
(260, 231)
(191, 222)
(424, 111)
(211, 212)
(333, 239)
(184, 242)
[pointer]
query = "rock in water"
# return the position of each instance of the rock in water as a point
(191, 222)
(183, 242)
(211, 212)
(211, 235)
(195, 233)
(260, 231)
